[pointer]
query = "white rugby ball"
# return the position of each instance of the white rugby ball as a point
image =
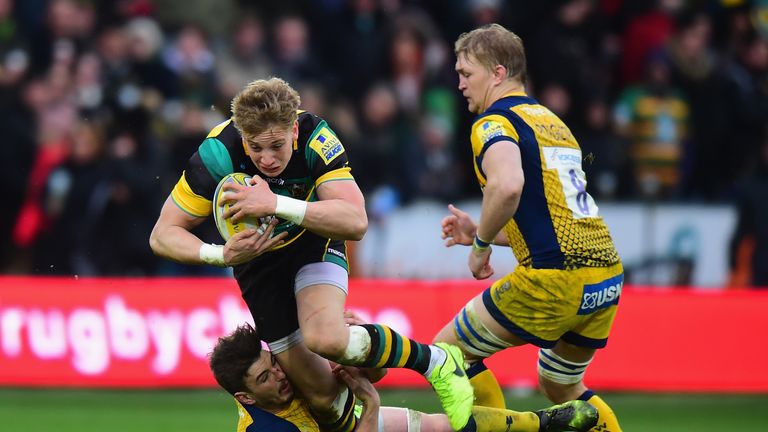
(225, 226)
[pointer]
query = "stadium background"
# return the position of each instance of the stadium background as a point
(101, 102)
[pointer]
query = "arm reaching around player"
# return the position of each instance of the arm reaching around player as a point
(363, 389)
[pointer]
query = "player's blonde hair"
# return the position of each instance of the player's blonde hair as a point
(263, 104)
(493, 45)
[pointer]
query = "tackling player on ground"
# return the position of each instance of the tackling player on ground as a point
(267, 401)
(563, 295)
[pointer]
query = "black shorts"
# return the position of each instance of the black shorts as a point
(267, 282)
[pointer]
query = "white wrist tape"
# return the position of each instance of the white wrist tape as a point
(212, 254)
(290, 209)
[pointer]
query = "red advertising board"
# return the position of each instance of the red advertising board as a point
(157, 333)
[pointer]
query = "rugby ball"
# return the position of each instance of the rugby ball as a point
(225, 226)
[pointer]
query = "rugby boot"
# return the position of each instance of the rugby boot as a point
(452, 386)
(572, 416)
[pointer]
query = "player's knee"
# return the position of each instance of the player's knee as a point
(559, 393)
(321, 405)
(560, 379)
(330, 345)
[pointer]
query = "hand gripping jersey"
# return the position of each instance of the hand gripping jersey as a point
(556, 225)
(318, 156)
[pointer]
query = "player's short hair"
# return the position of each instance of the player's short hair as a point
(493, 45)
(233, 355)
(263, 104)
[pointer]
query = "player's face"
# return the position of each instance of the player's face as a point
(271, 150)
(267, 384)
(474, 82)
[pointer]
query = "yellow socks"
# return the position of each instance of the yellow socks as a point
(607, 421)
(487, 390)
(486, 419)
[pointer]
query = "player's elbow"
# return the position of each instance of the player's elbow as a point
(154, 241)
(358, 228)
(508, 190)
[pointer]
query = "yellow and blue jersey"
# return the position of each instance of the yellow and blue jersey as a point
(556, 225)
(295, 418)
(318, 157)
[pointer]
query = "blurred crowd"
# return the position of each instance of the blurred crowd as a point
(103, 102)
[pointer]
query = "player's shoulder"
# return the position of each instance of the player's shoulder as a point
(253, 419)
(226, 132)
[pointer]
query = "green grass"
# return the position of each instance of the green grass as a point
(45, 410)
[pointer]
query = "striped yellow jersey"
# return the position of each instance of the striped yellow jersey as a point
(295, 418)
(557, 225)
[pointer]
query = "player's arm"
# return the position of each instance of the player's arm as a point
(339, 213)
(504, 173)
(171, 238)
(363, 390)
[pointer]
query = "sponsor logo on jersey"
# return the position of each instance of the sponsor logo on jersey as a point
(337, 253)
(298, 190)
(327, 145)
(489, 130)
(601, 295)
(274, 181)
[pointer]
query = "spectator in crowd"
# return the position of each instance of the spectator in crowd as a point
(654, 118)
(243, 58)
(191, 61)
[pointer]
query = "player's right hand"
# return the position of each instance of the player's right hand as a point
(247, 245)
(458, 228)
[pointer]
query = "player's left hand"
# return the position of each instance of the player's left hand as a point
(359, 384)
(253, 201)
(247, 245)
(352, 318)
(480, 264)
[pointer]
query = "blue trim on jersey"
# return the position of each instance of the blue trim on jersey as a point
(465, 318)
(583, 341)
(266, 421)
(532, 216)
(552, 369)
(510, 326)
(460, 333)
(561, 363)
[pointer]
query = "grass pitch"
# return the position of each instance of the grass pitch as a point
(63, 410)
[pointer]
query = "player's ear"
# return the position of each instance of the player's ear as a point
(244, 398)
(499, 74)
(295, 130)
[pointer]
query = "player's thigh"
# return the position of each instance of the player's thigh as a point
(321, 291)
(493, 325)
(476, 332)
(311, 374)
(321, 309)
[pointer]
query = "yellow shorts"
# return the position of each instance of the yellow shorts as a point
(542, 306)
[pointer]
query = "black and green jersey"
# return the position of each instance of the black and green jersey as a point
(318, 156)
